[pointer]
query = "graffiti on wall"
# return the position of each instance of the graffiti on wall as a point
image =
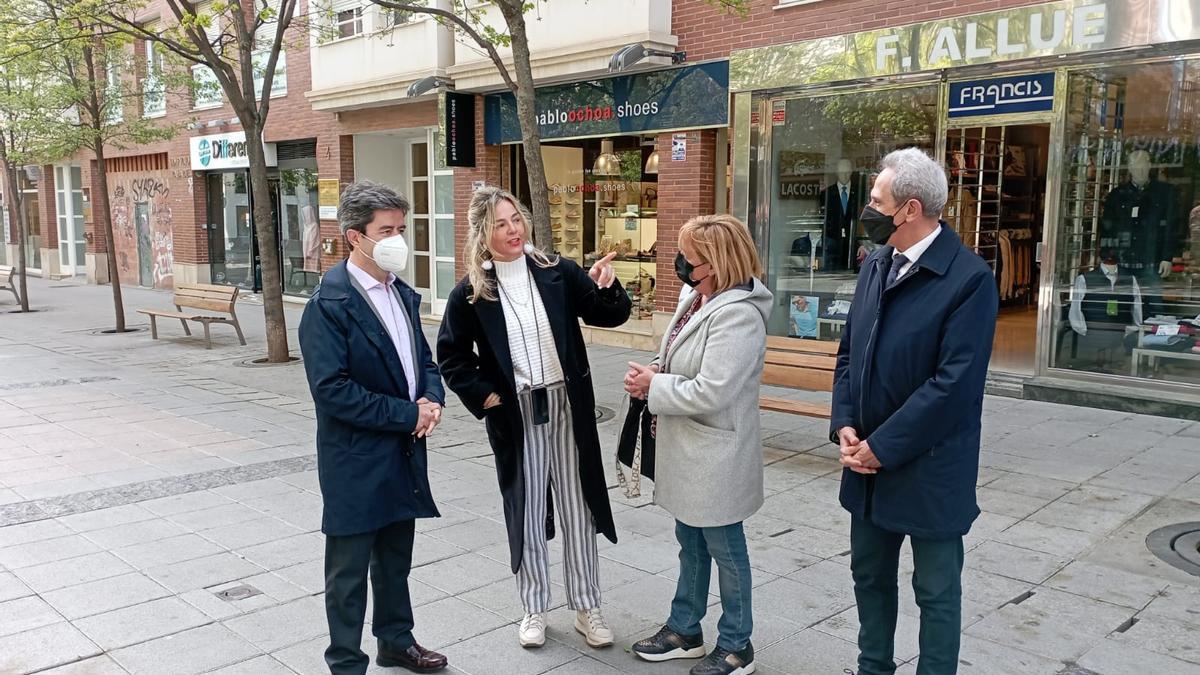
(164, 244)
(142, 228)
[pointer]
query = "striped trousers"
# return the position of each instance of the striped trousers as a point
(551, 458)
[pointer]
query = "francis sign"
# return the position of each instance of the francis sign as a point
(1050, 29)
(1002, 95)
(690, 97)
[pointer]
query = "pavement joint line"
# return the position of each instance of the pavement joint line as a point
(56, 383)
(82, 502)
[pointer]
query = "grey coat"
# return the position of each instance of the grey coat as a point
(708, 466)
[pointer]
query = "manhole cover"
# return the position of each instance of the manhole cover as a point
(604, 414)
(1177, 545)
(238, 593)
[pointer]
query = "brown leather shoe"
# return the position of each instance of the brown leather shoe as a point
(416, 658)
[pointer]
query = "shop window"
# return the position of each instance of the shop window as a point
(1127, 268)
(299, 231)
(824, 158)
(604, 200)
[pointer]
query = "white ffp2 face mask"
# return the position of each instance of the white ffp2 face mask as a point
(390, 254)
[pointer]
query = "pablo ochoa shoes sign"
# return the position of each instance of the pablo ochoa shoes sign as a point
(672, 99)
(596, 114)
(225, 151)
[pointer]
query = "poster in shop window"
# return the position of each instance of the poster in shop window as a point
(802, 316)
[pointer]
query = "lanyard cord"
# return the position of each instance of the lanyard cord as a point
(536, 326)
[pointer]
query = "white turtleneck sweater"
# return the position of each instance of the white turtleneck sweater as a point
(528, 326)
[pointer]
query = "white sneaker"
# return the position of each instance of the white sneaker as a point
(591, 624)
(533, 630)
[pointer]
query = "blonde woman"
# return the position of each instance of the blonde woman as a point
(511, 348)
(703, 389)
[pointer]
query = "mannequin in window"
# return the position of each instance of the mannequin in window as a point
(841, 212)
(1141, 221)
(1105, 302)
(312, 238)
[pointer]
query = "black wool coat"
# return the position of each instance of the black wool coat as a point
(474, 356)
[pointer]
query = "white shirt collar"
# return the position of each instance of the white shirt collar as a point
(367, 281)
(914, 252)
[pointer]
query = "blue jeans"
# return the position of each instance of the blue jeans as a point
(699, 546)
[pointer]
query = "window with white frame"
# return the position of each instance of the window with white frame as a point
(279, 84)
(206, 90)
(386, 18)
(348, 21)
(114, 99)
(154, 101)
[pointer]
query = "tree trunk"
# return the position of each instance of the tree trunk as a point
(268, 247)
(14, 214)
(531, 137)
(109, 240)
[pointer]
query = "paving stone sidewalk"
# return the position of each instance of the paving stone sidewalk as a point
(159, 513)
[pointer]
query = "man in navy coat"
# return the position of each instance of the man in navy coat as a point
(907, 404)
(378, 394)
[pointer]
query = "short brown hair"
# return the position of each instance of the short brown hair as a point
(724, 242)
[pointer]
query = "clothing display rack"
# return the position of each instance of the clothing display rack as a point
(995, 204)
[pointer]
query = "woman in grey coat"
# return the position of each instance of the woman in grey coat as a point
(703, 388)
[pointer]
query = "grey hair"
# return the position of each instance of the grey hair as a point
(361, 199)
(917, 176)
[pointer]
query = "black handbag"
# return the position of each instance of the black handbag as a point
(635, 447)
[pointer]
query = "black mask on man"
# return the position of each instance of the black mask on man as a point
(878, 226)
(684, 269)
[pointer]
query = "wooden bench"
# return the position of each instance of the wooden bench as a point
(798, 364)
(200, 297)
(7, 280)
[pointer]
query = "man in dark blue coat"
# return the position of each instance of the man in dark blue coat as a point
(907, 404)
(378, 394)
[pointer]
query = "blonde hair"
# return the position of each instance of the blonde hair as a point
(481, 221)
(723, 242)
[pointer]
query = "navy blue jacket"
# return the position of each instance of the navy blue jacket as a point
(372, 470)
(910, 376)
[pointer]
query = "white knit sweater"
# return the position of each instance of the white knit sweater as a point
(528, 327)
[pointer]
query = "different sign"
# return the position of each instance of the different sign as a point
(1002, 95)
(1050, 29)
(688, 97)
(458, 122)
(225, 151)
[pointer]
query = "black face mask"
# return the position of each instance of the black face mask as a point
(878, 226)
(684, 269)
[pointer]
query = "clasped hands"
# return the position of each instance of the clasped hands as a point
(856, 454)
(637, 380)
(429, 414)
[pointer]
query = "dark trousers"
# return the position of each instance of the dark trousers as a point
(937, 583)
(387, 553)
